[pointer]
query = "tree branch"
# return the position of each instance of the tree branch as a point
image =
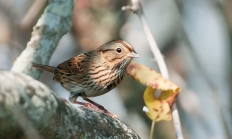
(29, 109)
(52, 25)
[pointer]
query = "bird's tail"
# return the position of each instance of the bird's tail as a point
(44, 67)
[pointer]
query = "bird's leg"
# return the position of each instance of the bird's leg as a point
(73, 97)
(91, 104)
(100, 107)
(94, 103)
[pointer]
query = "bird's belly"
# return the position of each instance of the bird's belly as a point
(103, 88)
(94, 93)
(92, 89)
(86, 90)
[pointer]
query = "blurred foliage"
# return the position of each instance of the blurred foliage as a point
(159, 108)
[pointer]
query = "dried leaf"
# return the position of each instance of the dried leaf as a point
(159, 108)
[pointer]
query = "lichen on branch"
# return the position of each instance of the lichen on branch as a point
(29, 109)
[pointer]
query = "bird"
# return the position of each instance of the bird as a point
(93, 73)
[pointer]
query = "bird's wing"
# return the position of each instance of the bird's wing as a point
(74, 65)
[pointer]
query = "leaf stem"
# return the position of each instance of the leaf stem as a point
(137, 9)
(152, 129)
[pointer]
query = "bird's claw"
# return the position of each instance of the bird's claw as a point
(100, 109)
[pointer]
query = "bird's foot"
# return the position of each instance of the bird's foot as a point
(103, 110)
(92, 105)
(100, 109)
(64, 100)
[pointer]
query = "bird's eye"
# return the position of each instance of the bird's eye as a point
(119, 50)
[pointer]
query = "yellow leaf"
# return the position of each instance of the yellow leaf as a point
(159, 108)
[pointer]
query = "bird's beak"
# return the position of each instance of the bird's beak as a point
(133, 55)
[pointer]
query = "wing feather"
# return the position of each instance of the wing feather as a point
(74, 65)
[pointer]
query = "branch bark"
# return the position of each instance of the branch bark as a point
(29, 109)
(51, 26)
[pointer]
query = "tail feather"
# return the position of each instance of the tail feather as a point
(44, 67)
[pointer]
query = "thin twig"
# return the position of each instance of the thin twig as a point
(137, 9)
(152, 129)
